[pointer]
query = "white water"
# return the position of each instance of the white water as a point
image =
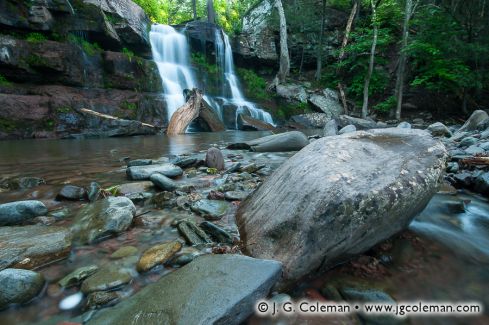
(172, 56)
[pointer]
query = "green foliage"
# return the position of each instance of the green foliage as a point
(35, 37)
(254, 84)
(4, 82)
(35, 60)
(7, 125)
(387, 105)
(201, 61)
(129, 106)
(287, 110)
(89, 48)
(63, 110)
(128, 53)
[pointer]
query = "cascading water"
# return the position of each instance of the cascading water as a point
(171, 54)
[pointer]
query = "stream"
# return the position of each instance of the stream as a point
(444, 256)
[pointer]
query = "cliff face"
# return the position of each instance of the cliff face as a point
(58, 56)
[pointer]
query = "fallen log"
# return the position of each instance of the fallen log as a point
(475, 161)
(194, 107)
(110, 117)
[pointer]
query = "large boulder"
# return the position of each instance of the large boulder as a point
(139, 173)
(339, 196)
(213, 289)
(32, 246)
(18, 286)
(359, 123)
(474, 120)
(327, 102)
(292, 91)
(311, 120)
(103, 218)
(14, 213)
(439, 129)
(282, 142)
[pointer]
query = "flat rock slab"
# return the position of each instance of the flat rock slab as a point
(31, 246)
(340, 196)
(213, 289)
(139, 173)
(282, 142)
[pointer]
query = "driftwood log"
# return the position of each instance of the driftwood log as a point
(194, 107)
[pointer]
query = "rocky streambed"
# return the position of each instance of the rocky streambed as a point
(153, 238)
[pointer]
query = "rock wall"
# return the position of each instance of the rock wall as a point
(58, 56)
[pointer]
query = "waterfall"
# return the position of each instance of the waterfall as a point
(171, 54)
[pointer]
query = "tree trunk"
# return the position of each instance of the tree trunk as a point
(401, 70)
(211, 13)
(319, 59)
(284, 69)
(211, 118)
(371, 61)
(194, 9)
(349, 24)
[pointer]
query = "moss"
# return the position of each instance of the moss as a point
(129, 106)
(8, 125)
(36, 60)
(35, 37)
(4, 82)
(63, 110)
(89, 48)
(255, 86)
(128, 53)
(48, 124)
(288, 110)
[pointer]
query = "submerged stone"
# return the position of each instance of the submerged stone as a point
(77, 276)
(19, 286)
(159, 254)
(211, 209)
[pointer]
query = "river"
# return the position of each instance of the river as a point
(443, 256)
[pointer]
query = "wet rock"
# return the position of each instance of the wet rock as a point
(213, 289)
(193, 235)
(340, 196)
(467, 142)
(251, 168)
(439, 129)
(215, 195)
(452, 167)
(94, 192)
(107, 278)
(463, 179)
(481, 183)
(14, 213)
(184, 162)
(103, 218)
(136, 187)
(210, 209)
(124, 251)
(311, 120)
(471, 124)
(101, 298)
(138, 173)
(159, 254)
(21, 183)
(404, 125)
(236, 195)
(248, 123)
(71, 192)
(217, 233)
(77, 276)
(331, 128)
(347, 129)
(474, 150)
(30, 246)
(288, 141)
(359, 123)
(164, 200)
(19, 286)
(139, 162)
(162, 182)
(484, 146)
(214, 159)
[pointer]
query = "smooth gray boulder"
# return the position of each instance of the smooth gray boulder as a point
(292, 91)
(33, 246)
(474, 120)
(331, 128)
(18, 286)
(162, 182)
(282, 142)
(340, 196)
(214, 159)
(404, 125)
(138, 173)
(311, 120)
(15, 213)
(347, 129)
(102, 219)
(327, 101)
(359, 123)
(439, 129)
(212, 289)
(72, 192)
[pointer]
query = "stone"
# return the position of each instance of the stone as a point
(77, 276)
(214, 159)
(282, 142)
(107, 278)
(327, 102)
(481, 183)
(94, 192)
(236, 195)
(102, 219)
(162, 182)
(15, 213)
(485, 134)
(473, 150)
(248, 123)
(19, 286)
(331, 128)
(404, 125)
(217, 233)
(210, 209)
(484, 146)
(340, 196)
(156, 255)
(359, 123)
(140, 173)
(472, 122)
(21, 183)
(133, 188)
(139, 162)
(213, 289)
(292, 91)
(28, 247)
(439, 129)
(73, 193)
(467, 142)
(311, 120)
(347, 129)
(184, 162)
(193, 235)
(102, 298)
(124, 251)
(452, 167)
